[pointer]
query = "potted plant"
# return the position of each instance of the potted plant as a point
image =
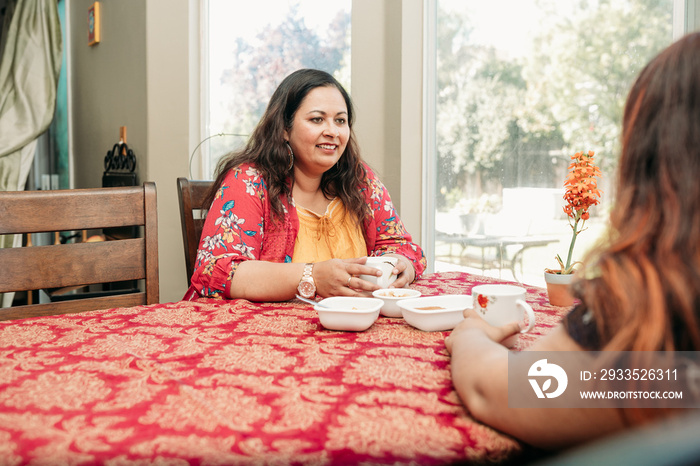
(581, 194)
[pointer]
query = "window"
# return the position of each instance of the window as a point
(249, 47)
(520, 86)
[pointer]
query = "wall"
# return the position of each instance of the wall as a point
(387, 92)
(169, 113)
(108, 86)
(138, 77)
(411, 141)
(376, 84)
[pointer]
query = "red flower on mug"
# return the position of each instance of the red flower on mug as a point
(482, 300)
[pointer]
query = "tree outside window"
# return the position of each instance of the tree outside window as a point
(517, 96)
(252, 47)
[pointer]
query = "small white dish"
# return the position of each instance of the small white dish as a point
(391, 297)
(435, 313)
(348, 312)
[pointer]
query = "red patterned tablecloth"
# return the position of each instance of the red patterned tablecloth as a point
(212, 382)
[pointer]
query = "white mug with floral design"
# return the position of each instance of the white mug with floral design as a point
(502, 304)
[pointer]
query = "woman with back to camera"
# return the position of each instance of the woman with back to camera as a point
(297, 210)
(640, 290)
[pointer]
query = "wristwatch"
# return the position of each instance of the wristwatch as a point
(307, 287)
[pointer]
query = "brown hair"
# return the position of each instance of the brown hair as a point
(647, 294)
(266, 148)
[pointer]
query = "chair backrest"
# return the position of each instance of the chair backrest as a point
(84, 263)
(191, 195)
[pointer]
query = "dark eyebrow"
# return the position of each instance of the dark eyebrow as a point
(324, 113)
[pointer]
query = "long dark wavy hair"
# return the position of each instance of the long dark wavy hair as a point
(647, 294)
(266, 148)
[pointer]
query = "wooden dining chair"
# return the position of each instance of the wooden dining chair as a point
(61, 266)
(191, 194)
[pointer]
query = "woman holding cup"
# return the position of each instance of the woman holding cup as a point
(502, 304)
(297, 211)
(640, 291)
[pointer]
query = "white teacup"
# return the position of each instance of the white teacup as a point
(386, 265)
(502, 304)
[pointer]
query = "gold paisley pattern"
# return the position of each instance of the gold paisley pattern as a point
(216, 382)
(56, 390)
(23, 336)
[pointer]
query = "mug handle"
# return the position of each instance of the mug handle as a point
(530, 315)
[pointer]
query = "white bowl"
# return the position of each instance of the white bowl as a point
(348, 312)
(450, 311)
(391, 297)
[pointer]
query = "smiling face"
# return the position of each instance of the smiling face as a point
(320, 131)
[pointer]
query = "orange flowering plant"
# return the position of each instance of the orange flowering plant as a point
(581, 194)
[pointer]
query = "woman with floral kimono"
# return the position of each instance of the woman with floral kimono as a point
(297, 211)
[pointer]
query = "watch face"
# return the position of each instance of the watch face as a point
(307, 289)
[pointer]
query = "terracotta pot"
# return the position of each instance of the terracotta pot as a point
(558, 289)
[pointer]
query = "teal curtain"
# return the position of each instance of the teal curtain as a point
(30, 64)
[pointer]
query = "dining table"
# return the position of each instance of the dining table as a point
(218, 382)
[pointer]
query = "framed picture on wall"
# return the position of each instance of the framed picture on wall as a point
(94, 24)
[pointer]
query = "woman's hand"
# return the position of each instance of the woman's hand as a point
(474, 324)
(340, 277)
(405, 271)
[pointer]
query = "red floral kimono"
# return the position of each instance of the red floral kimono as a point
(240, 227)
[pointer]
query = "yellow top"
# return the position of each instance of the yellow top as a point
(333, 235)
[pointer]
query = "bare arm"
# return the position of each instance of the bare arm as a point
(258, 280)
(480, 376)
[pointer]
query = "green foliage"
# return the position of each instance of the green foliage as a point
(259, 65)
(501, 121)
(588, 61)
